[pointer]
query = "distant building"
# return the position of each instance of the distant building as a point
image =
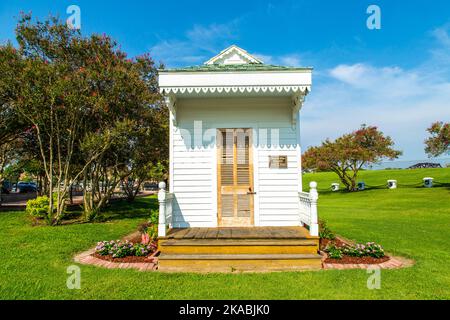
(425, 165)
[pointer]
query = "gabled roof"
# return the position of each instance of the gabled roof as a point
(234, 59)
(236, 67)
(233, 55)
(234, 72)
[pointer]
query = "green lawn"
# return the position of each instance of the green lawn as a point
(411, 222)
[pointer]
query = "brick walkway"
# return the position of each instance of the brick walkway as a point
(87, 258)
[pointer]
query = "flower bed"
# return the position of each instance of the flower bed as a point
(125, 251)
(339, 251)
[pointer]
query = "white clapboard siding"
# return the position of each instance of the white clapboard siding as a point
(276, 183)
(194, 163)
(192, 206)
(281, 219)
(187, 194)
(277, 206)
(188, 177)
(277, 199)
(201, 171)
(194, 200)
(281, 196)
(278, 187)
(191, 182)
(193, 218)
(271, 189)
(190, 189)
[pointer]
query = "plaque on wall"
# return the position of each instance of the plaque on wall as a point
(278, 162)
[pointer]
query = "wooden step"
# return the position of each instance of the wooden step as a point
(237, 262)
(238, 246)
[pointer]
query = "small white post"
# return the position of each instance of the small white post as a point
(392, 184)
(162, 209)
(314, 196)
(361, 186)
(428, 182)
(335, 187)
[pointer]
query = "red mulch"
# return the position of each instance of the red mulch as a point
(337, 242)
(357, 260)
(133, 259)
(347, 259)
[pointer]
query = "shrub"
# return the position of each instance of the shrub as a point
(153, 231)
(353, 250)
(143, 249)
(149, 228)
(154, 216)
(121, 249)
(325, 232)
(374, 250)
(104, 248)
(143, 227)
(370, 249)
(39, 207)
(334, 252)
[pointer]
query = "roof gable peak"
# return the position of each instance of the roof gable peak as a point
(233, 55)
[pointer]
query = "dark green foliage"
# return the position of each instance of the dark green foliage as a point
(325, 232)
(334, 252)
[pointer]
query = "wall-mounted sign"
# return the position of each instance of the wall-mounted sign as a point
(278, 162)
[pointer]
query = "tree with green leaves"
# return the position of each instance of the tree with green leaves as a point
(348, 154)
(11, 125)
(75, 93)
(439, 141)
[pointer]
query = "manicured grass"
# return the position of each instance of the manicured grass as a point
(411, 222)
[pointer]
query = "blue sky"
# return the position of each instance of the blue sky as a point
(397, 78)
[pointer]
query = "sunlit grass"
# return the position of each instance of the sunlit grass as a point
(411, 222)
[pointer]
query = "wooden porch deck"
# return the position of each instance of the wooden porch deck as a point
(238, 249)
(239, 233)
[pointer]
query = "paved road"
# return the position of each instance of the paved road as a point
(19, 200)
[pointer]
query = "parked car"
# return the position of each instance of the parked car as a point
(5, 187)
(150, 186)
(24, 187)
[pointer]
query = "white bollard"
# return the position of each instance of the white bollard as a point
(361, 185)
(314, 196)
(392, 184)
(162, 209)
(335, 187)
(428, 182)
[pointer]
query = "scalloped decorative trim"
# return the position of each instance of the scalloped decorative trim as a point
(236, 89)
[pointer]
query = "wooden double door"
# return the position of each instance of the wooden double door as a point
(235, 178)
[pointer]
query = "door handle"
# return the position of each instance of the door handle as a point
(250, 191)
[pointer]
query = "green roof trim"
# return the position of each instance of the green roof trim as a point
(235, 67)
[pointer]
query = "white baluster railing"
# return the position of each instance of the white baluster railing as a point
(308, 209)
(165, 200)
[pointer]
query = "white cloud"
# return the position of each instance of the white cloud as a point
(402, 103)
(441, 35)
(197, 45)
(441, 53)
(291, 60)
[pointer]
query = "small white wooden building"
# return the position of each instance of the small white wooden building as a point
(235, 154)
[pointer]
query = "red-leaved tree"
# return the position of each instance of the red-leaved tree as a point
(439, 142)
(349, 153)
